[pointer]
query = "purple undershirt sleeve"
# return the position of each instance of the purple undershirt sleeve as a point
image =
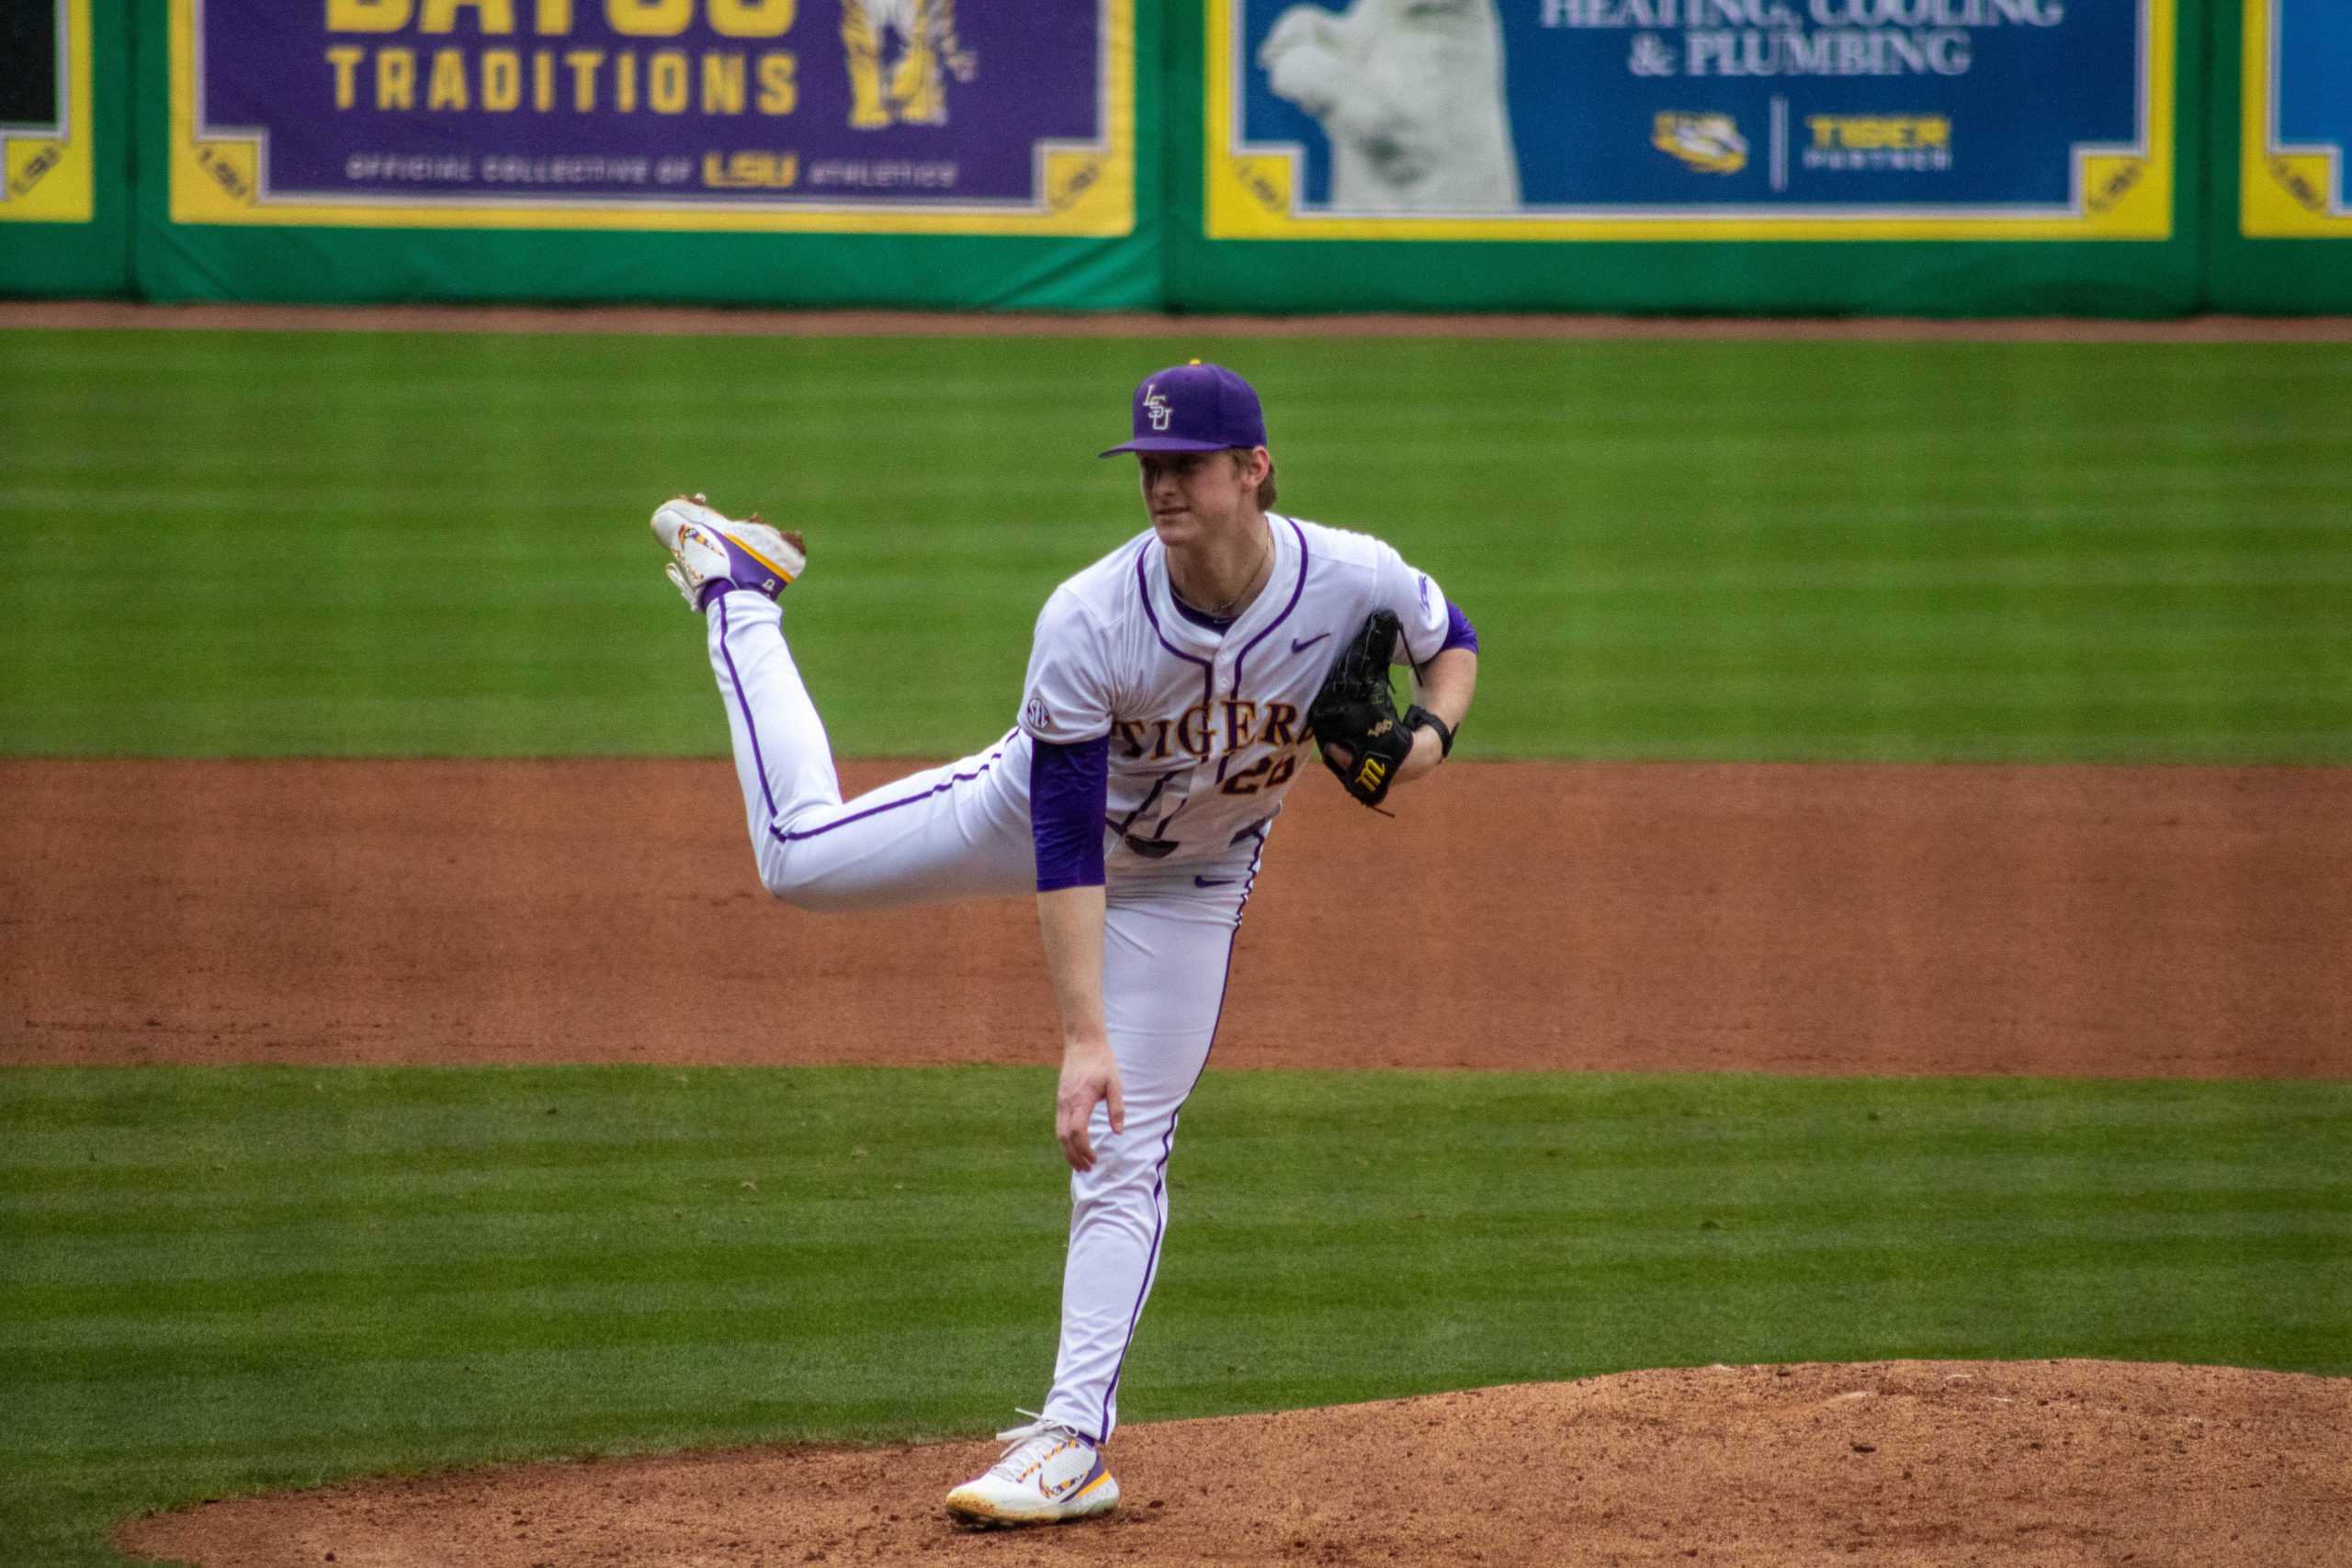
(1067, 787)
(1459, 632)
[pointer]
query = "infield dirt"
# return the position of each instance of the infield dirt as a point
(2124, 922)
(2045, 921)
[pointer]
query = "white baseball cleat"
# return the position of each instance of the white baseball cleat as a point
(1051, 1474)
(707, 549)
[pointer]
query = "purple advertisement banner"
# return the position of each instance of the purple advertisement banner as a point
(1006, 107)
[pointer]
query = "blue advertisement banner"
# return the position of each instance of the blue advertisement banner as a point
(841, 116)
(1690, 119)
(2294, 180)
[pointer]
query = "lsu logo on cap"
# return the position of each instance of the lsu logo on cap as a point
(1709, 142)
(1157, 406)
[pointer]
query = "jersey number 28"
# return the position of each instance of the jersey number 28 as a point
(1254, 777)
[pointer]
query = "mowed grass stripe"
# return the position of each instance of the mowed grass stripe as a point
(497, 1263)
(134, 1218)
(1741, 1179)
(96, 1128)
(645, 1299)
(540, 1252)
(2074, 529)
(714, 1299)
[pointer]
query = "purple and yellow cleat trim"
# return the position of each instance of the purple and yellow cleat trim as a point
(746, 568)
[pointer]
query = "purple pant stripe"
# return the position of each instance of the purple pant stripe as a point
(1167, 1142)
(760, 759)
(742, 702)
(949, 782)
(1150, 1263)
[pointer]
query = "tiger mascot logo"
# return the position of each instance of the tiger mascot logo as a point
(1710, 142)
(906, 85)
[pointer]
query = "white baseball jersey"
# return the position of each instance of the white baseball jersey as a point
(1208, 728)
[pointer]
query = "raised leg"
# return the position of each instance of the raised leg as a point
(956, 831)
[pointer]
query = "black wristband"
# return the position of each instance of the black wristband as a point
(1418, 718)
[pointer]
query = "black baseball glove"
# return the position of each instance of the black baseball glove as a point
(1354, 716)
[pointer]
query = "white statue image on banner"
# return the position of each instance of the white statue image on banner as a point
(1410, 94)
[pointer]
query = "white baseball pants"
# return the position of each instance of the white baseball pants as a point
(962, 831)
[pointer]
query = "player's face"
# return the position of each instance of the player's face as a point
(1193, 496)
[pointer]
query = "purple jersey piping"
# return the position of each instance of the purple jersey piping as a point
(1168, 1142)
(1208, 669)
(1296, 590)
(736, 678)
(949, 782)
(1218, 624)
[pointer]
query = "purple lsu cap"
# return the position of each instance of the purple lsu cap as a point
(1195, 408)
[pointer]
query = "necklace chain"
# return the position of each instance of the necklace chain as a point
(1221, 612)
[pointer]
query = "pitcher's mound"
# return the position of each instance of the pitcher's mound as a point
(1905, 1463)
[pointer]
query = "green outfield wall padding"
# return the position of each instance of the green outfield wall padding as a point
(2279, 202)
(2106, 157)
(65, 148)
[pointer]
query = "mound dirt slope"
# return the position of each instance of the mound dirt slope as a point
(1902, 1464)
(2125, 922)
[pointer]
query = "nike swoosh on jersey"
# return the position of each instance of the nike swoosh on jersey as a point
(1298, 646)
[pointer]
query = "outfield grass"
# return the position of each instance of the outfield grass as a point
(223, 1280)
(255, 545)
(268, 543)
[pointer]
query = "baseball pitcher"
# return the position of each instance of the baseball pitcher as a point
(1174, 689)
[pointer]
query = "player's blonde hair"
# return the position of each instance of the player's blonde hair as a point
(1240, 455)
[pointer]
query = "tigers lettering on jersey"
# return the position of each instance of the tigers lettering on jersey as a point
(1206, 727)
(1240, 722)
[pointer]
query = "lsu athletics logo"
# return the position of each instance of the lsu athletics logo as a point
(751, 171)
(1709, 142)
(909, 87)
(1155, 406)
